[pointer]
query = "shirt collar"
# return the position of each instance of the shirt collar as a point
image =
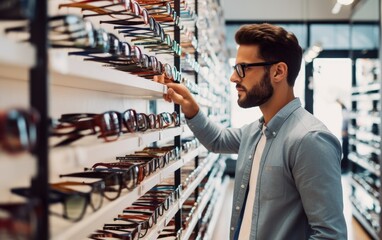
(277, 121)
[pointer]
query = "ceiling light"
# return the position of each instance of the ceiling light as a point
(336, 9)
(345, 2)
(312, 52)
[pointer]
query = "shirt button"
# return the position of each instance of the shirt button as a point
(237, 208)
(250, 156)
(243, 186)
(274, 133)
(232, 228)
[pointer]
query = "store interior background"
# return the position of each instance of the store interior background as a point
(329, 75)
(71, 85)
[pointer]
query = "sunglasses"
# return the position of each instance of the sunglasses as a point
(16, 9)
(153, 31)
(128, 56)
(140, 170)
(66, 31)
(106, 43)
(166, 46)
(99, 10)
(114, 179)
(119, 234)
(18, 130)
(171, 233)
(18, 220)
(141, 226)
(74, 203)
(170, 152)
(152, 163)
(108, 124)
(96, 193)
(189, 144)
(150, 217)
(136, 229)
(147, 68)
(161, 199)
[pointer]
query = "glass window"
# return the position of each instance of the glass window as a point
(299, 30)
(331, 36)
(364, 36)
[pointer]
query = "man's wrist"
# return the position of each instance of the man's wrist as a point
(191, 114)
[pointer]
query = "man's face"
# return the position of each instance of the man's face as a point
(255, 88)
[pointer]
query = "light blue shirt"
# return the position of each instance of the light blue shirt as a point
(298, 191)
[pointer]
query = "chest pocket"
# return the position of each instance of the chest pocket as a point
(272, 182)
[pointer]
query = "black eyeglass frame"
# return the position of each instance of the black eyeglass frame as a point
(246, 65)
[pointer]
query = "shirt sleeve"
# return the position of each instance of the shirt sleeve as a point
(214, 137)
(317, 173)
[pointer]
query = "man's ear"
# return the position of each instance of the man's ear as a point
(280, 71)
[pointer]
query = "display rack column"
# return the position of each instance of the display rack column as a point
(380, 100)
(177, 140)
(39, 101)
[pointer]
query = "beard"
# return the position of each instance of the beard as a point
(258, 94)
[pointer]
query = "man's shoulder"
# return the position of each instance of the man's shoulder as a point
(305, 122)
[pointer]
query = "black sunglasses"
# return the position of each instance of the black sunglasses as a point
(114, 179)
(18, 130)
(138, 230)
(108, 124)
(74, 203)
(18, 220)
(16, 9)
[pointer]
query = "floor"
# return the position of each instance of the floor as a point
(355, 230)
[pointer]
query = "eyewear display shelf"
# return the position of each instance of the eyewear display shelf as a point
(20, 56)
(30, 59)
(80, 230)
(70, 85)
(364, 144)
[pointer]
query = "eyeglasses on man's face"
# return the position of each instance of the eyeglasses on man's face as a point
(240, 67)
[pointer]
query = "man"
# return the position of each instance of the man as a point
(288, 175)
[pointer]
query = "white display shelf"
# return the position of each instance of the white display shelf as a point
(73, 71)
(365, 223)
(178, 164)
(364, 135)
(366, 88)
(86, 154)
(374, 117)
(359, 186)
(363, 163)
(63, 229)
(17, 171)
(365, 146)
(365, 97)
(199, 210)
(208, 163)
(19, 54)
(162, 222)
(155, 231)
(217, 209)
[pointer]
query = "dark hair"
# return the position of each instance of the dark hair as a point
(275, 44)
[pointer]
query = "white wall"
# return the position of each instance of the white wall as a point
(287, 10)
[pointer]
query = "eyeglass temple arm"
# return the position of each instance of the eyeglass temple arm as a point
(122, 22)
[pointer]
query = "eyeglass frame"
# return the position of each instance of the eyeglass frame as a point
(246, 65)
